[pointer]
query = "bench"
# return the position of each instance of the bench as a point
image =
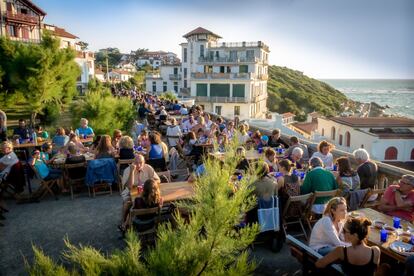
(307, 257)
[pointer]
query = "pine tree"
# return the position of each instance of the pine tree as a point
(207, 244)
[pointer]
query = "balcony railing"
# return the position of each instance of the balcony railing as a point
(221, 99)
(21, 18)
(226, 76)
(152, 76)
(175, 76)
(24, 40)
(243, 44)
(227, 60)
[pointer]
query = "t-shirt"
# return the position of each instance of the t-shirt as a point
(319, 179)
(326, 159)
(60, 140)
(84, 131)
(8, 160)
(173, 131)
(41, 168)
(368, 172)
(147, 172)
(389, 197)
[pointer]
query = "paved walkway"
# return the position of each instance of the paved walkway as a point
(90, 221)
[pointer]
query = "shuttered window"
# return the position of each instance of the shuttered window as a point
(238, 90)
(201, 89)
(219, 90)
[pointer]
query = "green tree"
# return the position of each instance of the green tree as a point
(83, 45)
(39, 74)
(113, 54)
(139, 53)
(208, 244)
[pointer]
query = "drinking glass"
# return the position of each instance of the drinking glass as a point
(396, 221)
(383, 235)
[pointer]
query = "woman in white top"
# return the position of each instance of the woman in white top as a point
(173, 130)
(324, 153)
(208, 122)
(243, 137)
(327, 232)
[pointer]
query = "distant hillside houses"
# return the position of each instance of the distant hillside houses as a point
(156, 59)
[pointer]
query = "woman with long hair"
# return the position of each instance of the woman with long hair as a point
(105, 149)
(347, 178)
(327, 232)
(359, 258)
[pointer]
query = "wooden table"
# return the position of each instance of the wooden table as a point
(251, 155)
(86, 140)
(26, 145)
(60, 161)
(172, 191)
(374, 235)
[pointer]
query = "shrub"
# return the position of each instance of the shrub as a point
(104, 112)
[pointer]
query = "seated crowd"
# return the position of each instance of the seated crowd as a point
(167, 132)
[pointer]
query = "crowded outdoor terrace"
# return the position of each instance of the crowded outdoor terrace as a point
(328, 210)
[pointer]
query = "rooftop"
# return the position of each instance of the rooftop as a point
(34, 7)
(306, 127)
(374, 121)
(59, 31)
(200, 30)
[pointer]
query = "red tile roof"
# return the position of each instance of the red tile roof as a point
(99, 72)
(200, 30)
(306, 127)
(288, 114)
(34, 7)
(374, 121)
(63, 33)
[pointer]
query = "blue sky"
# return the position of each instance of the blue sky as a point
(322, 38)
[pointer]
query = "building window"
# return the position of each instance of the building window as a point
(201, 50)
(243, 69)
(218, 109)
(236, 110)
(25, 33)
(412, 154)
(185, 72)
(221, 69)
(12, 30)
(219, 90)
(238, 90)
(333, 133)
(154, 86)
(164, 86)
(228, 69)
(347, 139)
(176, 87)
(185, 83)
(323, 132)
(201, 90)
(175, 71)
(391, 153)
(249, 55)
(340, 139)
(185, 55)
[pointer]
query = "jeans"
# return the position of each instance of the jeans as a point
(53, 174)
(325, 250)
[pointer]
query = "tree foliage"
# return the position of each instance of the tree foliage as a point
(291, 91)
(104, 112)
(208, 244)
(113, 54)
(37, 74)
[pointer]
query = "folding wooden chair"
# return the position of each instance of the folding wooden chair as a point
(366, 203)
(74, 175)
(45, 186)
(166, 174)
(306, 202)
(149, 226)
(120, 164)
(172, 137)
(182, 173)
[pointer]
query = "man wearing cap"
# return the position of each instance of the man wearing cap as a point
(398, 200)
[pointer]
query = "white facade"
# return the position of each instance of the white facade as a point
(229, 79)
(168, 79)
(349, 138)
(127, 66)
(119, 76)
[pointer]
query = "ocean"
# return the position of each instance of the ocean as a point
(397, 94)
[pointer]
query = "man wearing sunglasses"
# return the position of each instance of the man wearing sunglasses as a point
(398, 200)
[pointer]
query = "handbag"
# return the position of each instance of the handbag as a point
(269, 217)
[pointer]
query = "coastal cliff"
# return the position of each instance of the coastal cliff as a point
(292, 91)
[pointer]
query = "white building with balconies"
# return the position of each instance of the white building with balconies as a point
(168, 79)
(229, 79)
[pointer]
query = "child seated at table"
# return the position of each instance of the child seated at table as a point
(44, 171)
(46, 153)
(271, 160)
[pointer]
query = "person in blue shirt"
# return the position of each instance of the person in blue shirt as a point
(60, 139)
(84, 129)
(43, 170)
(22, 131)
